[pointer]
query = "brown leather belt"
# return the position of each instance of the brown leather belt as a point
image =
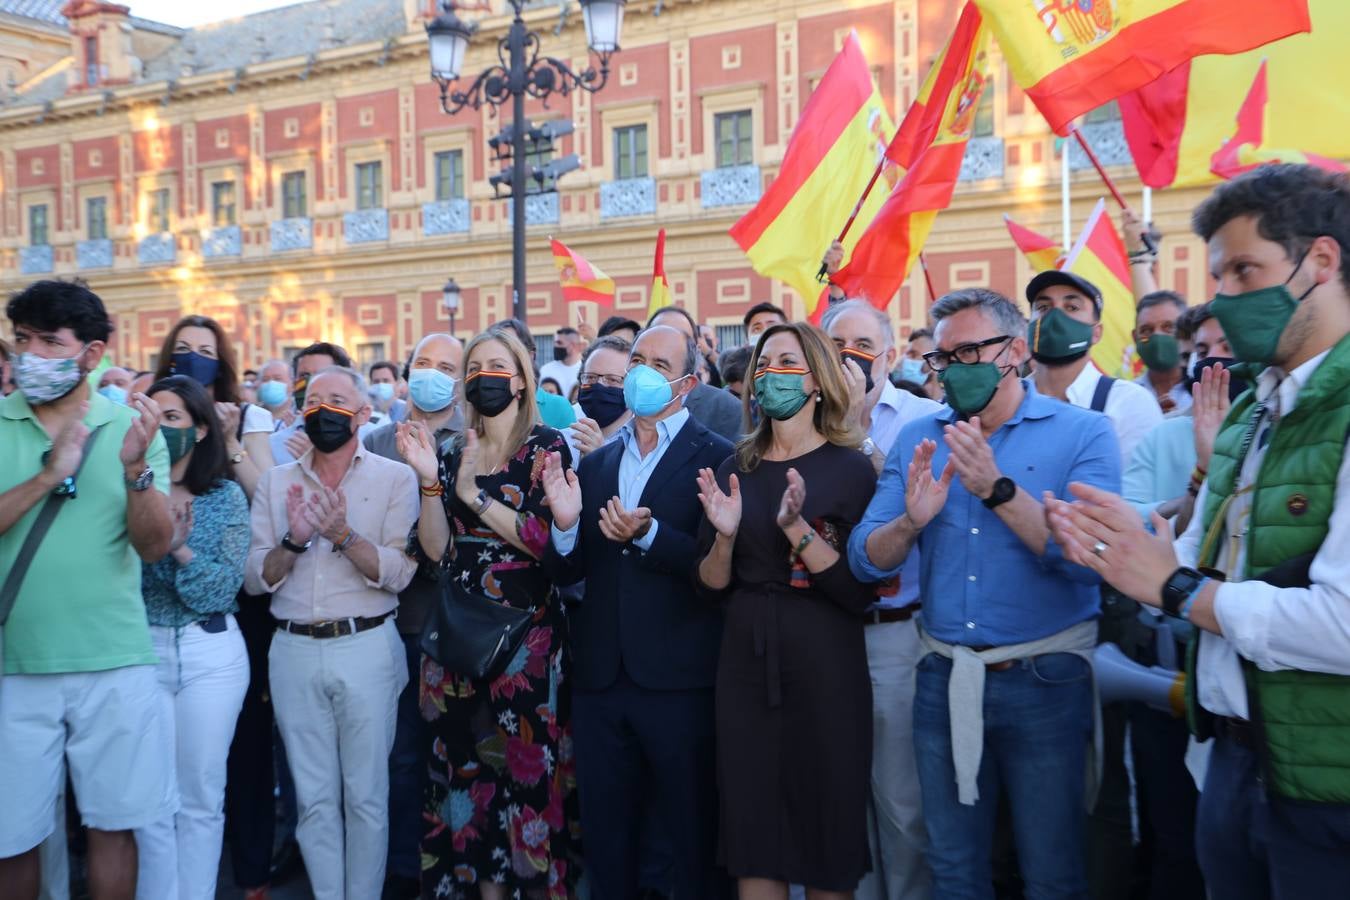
(336, 628)
(998, 666)
(1239, 731)
(886, 616)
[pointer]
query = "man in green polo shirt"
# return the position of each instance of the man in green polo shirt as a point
(79, 684)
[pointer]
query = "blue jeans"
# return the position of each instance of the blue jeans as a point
(1037, 728)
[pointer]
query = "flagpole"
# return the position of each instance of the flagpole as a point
(1106, 179)
(928, 278)
(1148, 204)
(857, 208)
(1065, 200)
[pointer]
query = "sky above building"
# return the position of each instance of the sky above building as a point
(190, 15)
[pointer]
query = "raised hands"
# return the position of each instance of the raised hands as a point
(925, 494)
(586, 436)
(296, 521)
(621, 525)
(68, 448)
(298, 444)
(228, 414)
(1101, 532)
(794, 497)
(415, 445)
(466, 479)
(562, 491)
(856, 381)
(722, 510)
(1209, 411)
(143, 429)
(326, 513)
(182, 525)
(972, 457)
(834, 258)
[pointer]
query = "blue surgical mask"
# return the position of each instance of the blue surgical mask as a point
(382, 392)
(646, 392)
(201, 369)
(114, 393)
(431, 390)
(272, 393)
(913, 370)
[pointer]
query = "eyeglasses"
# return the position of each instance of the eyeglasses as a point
(966, 354)
(589, 379)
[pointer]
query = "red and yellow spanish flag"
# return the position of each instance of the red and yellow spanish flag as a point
(930, 144)
(1176, 124)
(580, 280)
(1099, 256)
(660, 286)
(1246, 149)
(1042, 252)
(834, 149)
(1072, 56)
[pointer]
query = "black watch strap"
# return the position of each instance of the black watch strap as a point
(1179, 585)
(292, 545)
(1004, 490)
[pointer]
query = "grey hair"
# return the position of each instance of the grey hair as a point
(358, 382)
(997, 308)
(883, 320)
(608, 342)
(692, 359)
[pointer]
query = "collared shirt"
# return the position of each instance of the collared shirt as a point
(382, 505)
(1276, 628)
(1133, 410)
(635, 470)
(980, 585)
(1179, 393)
(895, 409)
(79, 608)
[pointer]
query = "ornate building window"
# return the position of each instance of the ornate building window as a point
(369, 185)
(449, 175)
(630, 152)
(294, 204)
(735, 138)
(96, 218)
(223, 212)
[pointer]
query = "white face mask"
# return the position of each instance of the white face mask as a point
(43, 380)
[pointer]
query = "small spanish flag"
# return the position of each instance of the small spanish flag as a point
(1247, 149)
(581, 280)
(1042, 252)
(660, 285)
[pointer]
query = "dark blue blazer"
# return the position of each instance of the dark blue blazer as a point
(640, 609)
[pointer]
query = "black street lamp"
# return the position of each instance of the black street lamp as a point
(450, 300)
(520, 72)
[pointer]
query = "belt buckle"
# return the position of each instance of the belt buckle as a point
(325, 630)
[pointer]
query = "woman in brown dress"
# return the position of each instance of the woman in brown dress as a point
(794, 701)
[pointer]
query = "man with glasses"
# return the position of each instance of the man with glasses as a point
(79, 688)
(1004, 692)
(601, 409)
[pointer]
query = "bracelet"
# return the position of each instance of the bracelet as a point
(348, 541)
(1190, 600)
(437, 490)
(802, 545)
(1198, 474)
(1143, 261)
(1145, 253)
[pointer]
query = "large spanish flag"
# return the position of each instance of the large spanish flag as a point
(580, 280)
(1247, 148)
(1042, 252)
(1176, 124)
(834, 149)
(1099, 256)
(930, 144)
(1072, 56)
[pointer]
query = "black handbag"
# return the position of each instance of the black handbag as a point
(472, 635)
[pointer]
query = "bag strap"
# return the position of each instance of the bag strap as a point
(46, 516)
(1104, 385)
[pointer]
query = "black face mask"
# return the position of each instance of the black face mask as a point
(602, 403)
(489, 392)
(1236, 386)
(328, 427)
(559, 353)
(864, 362)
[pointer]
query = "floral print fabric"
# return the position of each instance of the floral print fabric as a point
(501, 802)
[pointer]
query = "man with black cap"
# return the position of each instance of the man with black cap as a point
(1066, 320)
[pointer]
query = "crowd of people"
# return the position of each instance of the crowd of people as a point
(817, 613)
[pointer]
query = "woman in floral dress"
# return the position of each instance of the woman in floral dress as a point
(500, 813)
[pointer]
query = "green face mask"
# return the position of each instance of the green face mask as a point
(1159, 352)
(1058, 340)
(780, 392)
(180, 441)
(1253, 322)
(298, 394)
(970, 387)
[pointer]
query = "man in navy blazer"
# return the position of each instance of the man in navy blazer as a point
(644, 645)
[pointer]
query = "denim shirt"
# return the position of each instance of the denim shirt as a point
(980, 585)
(177, 595)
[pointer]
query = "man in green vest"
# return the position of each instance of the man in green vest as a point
(1263, 570)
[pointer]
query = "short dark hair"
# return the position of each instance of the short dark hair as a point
(678, 310)
(568, 331)
(226, 386)
(733, 363)
(608, 342)
(765, 307)
(209, 465)
(52, 305)
(322, 348)
(1158, 298)
(618, 323)
(384, 364)
(1194, 318)
(1293, 206)
(920, 333)
(248, 372)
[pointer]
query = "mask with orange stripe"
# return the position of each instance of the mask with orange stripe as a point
(328, 428)
(489, 392)
(781, 392)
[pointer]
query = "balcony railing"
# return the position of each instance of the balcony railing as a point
(445, 217)
(35, 260)
(540, 209)
(1108, 142)
(627, 197)
(224, 241)
(94, 254)
(156, 249)
(292, 234)
(365, 226)
(983, 159)
(731, 186)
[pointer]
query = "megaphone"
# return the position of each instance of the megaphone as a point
(1121, 678)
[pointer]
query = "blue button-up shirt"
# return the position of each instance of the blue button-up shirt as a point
(895, 409)
(635, 470)
(980, 585)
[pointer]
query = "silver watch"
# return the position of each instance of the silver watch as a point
(143, 481)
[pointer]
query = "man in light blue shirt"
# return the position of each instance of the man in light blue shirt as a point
(865, 339)
(1000, 601)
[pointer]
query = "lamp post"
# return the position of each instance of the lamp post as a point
(519, 72)
(450, 300)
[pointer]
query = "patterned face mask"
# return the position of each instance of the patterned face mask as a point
(43, 380)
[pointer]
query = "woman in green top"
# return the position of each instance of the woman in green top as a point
(203, 666)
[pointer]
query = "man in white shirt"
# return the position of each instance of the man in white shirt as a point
(566, 362)
(1269, 679)
(1066, 320)
(895, 829)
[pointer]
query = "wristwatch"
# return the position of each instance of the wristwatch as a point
(1004, 490)
(481, 502)
(1178, 588)
(293, 546)
(236, 457)
(141, 482)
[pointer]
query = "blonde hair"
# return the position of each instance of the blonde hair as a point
(527, 410)
(831, 413)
